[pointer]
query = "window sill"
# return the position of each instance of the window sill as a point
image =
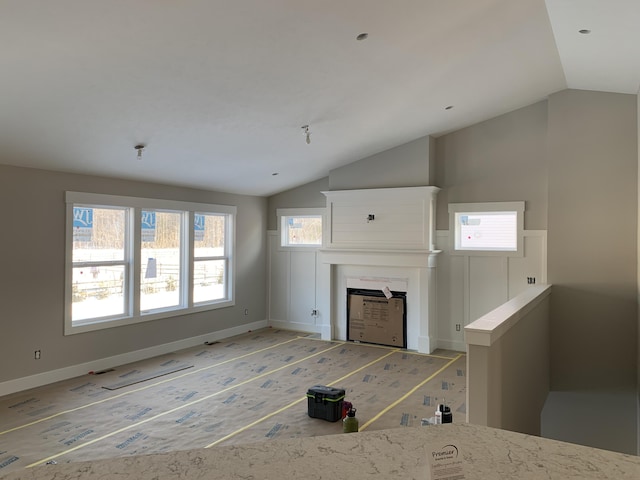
(91, 325)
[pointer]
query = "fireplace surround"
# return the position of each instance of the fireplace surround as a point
(381, 239)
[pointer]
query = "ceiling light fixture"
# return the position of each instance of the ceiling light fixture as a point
(139, 148)
(307, 133)
(362, 36)
(584, 31)
(448, 107)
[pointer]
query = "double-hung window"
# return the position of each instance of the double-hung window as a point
(210, 258)
(130, 259)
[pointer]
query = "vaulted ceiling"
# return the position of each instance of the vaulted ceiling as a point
(217, 90)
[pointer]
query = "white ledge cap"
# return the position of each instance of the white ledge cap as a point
(491, 326)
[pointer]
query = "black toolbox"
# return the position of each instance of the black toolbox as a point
(325, 402)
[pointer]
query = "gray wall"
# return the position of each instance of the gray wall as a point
(592, 252)
(407, 165)
(306, 196)
(500, 160)
(499, 395)
(32, 243)
(574, 160)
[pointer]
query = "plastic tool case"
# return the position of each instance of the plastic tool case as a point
(325, 402)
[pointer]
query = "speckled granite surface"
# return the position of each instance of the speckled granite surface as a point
(398, 453)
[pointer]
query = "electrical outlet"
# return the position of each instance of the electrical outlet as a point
(37, 354)
(531, 280)
(246, 311)
(457, 327)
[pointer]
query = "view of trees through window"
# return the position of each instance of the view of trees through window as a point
(209, 260)
(100, 264)
(303, 230)
(99, 259)
(161, 235)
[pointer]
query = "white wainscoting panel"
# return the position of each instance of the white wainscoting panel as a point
(471, 286)
(303, 287)
(292, 286)
(467, 286)
(488, 285)
(279, 279)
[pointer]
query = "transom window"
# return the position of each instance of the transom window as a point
(301, 227)
(487, 228)
(133, 259)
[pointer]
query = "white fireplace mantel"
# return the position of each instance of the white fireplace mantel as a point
(415, 270)
(382, 258)
(380, 238)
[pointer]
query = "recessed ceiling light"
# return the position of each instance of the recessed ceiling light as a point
(274, 174)
(448, 107)
(584, 31)
(362, 36)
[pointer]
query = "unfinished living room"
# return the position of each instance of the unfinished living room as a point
(349, 239)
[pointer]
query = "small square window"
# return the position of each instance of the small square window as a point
(300, 227)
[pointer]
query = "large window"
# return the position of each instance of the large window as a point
(133, 259)
(487, 228)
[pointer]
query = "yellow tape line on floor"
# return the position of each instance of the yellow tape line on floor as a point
(129, 427)
(386, 347)
(266, 417)
(128, 392)
(410, 392)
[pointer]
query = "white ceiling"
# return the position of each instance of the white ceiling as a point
(218, 90)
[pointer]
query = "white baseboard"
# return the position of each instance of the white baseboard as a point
(40, 379)
(424, 344)
(452, 345)
(295, 326)
(326, 332)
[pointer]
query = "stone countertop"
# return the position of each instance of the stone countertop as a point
(487, 453)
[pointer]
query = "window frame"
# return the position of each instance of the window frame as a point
(487, 207)
(284, 213)
(125, 262)
(133, 244)
(184, 269)
(228, 248)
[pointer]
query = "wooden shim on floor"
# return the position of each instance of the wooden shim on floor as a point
(145, 377)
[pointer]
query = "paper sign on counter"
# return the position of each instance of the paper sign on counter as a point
(445, 462)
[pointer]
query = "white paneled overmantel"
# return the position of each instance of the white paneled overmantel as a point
(382, 218)
(378, 238)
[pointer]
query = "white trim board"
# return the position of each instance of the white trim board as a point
(45, 378)
(295, 326)
(454, 345)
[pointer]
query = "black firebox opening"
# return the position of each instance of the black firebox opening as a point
(374, 318)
